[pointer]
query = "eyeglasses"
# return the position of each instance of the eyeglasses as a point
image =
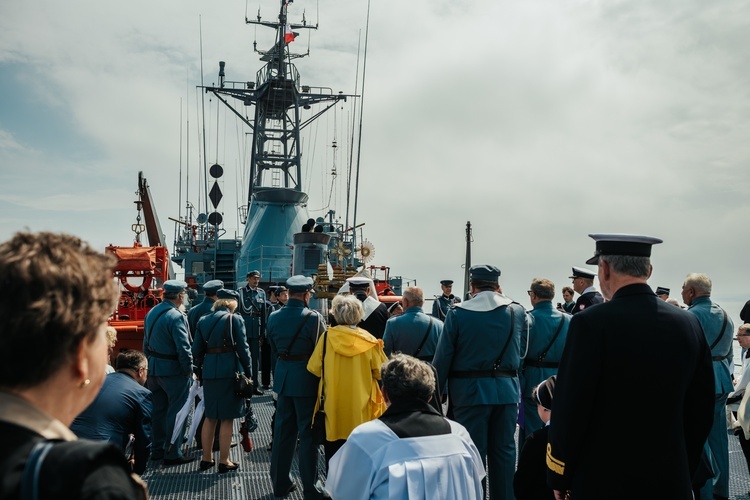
(743, 335)
(529, 292)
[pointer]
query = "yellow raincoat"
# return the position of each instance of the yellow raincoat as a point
(352, 369)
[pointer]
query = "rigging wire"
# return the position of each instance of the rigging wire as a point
(361, 110)
(205, 161)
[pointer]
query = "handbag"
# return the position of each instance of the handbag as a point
(244, 386)
(318, 425)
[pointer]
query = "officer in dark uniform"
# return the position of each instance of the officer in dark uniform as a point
(478, 356)
(376, 313)
(201, 309)
(166, 343)
(441, 304)
(293, 332)
(253, 311)
(603, 424)
(583, 284)
(662, 293)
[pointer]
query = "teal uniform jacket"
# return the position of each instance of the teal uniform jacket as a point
(405, 332)
(473, 337)
(544, 321)
(166, 341)
(291, 377)
(297, 389)
(213, 332)
(442, 304)
(711, 318)
(198, 311)
(484, 390)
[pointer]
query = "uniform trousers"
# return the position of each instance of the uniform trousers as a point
(718, 443)
(492, 428)
(293, 417)
(168, 395)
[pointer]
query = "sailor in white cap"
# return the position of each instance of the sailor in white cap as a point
(166, 343)
(583, 284)
(376, 313)
(613, 355)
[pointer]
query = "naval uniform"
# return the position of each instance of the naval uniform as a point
(253, 310)
(719, 332)
(411, 451)
(166, 343)
(441, 305)
(548, 329)
(604, 439)
(411, 331)
(198, 311)
(478, 356)
(297, 391)
(588, 298)
(220, 351)
(122, 407)
(376, 315)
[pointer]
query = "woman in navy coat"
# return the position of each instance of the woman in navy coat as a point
(220, 350)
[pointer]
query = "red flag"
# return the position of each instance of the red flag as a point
(288, 34)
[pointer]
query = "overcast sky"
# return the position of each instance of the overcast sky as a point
(538, 121)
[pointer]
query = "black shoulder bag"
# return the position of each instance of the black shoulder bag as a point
(318, 425)
(244, 386)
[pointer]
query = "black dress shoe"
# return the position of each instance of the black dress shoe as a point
(226, 468)
(207, 465)
(178, 461)
(258, 392)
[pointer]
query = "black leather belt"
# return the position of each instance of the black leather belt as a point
(541, 364)
(162, 356)
(483, 373)
(219, 350)
(294, 357)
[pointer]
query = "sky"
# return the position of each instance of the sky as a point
(538, 122)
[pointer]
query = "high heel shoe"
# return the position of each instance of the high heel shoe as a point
(226, 468)
(207, 465)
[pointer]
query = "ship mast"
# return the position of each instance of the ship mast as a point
(467, 264)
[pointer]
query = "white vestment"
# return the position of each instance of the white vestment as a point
(375, 463)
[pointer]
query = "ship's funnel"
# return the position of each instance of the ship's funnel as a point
(309, 252)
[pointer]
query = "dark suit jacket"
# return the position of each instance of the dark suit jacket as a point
(530, 479)
(121, 408)
(629, 365)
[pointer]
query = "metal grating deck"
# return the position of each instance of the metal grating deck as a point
(252, 481)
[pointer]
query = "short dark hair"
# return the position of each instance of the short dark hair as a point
(406, 377)
(485, 285)
(56, 293)
(130, 359)
(543, 288)
(568, 289)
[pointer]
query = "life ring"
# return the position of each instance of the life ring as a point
(141, 289)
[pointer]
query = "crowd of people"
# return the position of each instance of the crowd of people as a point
(411, 403)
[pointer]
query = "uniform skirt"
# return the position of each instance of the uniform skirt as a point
(221, 402)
